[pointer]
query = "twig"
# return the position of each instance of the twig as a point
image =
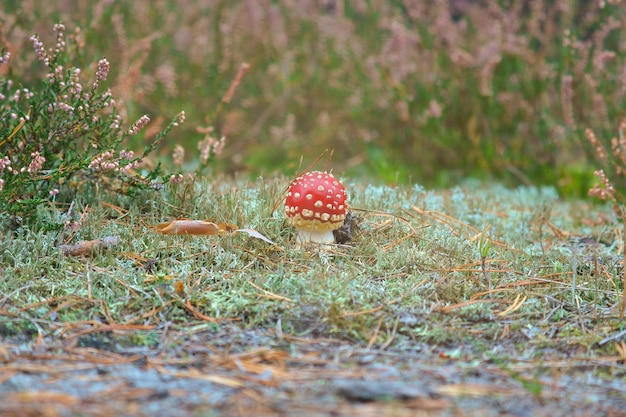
(281, 196)
(613, 337)
(393, 335)
(9, 295)
(269, 294)
(375, 335)
(358, 313)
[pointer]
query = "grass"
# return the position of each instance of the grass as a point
(411, 275)
(518, 281)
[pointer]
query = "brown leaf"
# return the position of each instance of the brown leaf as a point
(87, 247)
(188, 227)
(203, 227)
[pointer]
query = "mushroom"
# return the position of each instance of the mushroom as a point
(316, 205)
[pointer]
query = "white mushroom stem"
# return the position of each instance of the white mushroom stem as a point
(323, 236)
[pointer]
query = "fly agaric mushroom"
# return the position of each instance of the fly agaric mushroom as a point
(316, 205)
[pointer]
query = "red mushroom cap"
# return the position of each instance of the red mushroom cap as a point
(316, 201)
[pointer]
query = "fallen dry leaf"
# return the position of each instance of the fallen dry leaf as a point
(255, 234)
(87, 247)
(188, 227)
(203, 227)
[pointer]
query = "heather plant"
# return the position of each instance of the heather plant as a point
(612, 179)
(429, 91)
(612, 175)
(62, 138)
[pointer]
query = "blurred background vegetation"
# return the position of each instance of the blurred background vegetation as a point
(401, 90)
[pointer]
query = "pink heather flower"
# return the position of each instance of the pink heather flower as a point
(210, 145)
(1, 184)
(115, 124)
(37, 163)
(54, 192)
(434, 109)
(104, 162)
(176, 179)
(139, 124)
(75, 86)
(605, 190)
(23, 93)
(5, 58)
(40, 50)
(5, 163)
(60, 45)
(127, 154)
(178, 155)
(102, 72)
(181, 118)
(128, 167)
(66, 107)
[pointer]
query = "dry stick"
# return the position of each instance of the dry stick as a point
(612, 337)
(483, 266)
(330, 153)
(375, 335)
(393, 335)
(17, 128)
(269, 294)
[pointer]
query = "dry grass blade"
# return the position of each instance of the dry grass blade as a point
(14, 132)
(270, 294)
(375, 334)
(281, 196)
(197, 374)
(516, 304)
(359, 313)
(455, 224)
(475, 390)
(469, 303)
(197, 314)
(621, 349)
(113, 328)
(612, 337)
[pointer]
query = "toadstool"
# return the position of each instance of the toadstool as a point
(316, 205)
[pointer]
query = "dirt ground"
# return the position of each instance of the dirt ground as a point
(226, 371)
